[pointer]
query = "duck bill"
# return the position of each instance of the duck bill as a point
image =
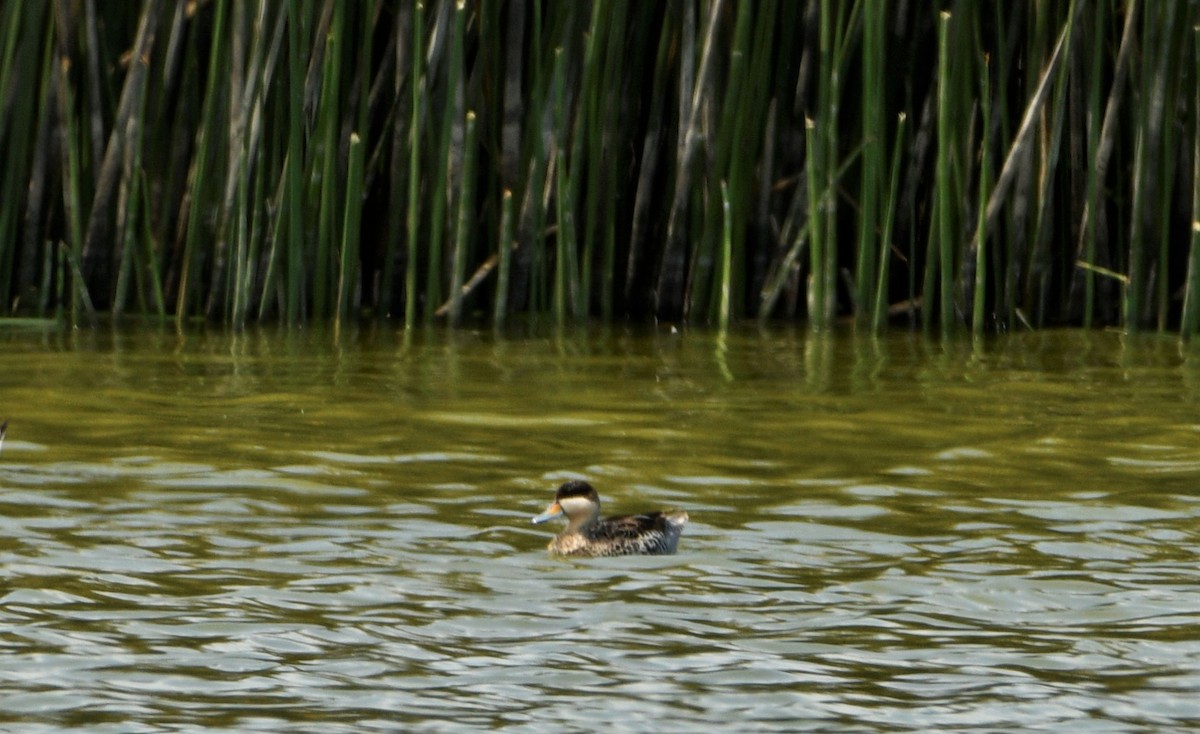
(553, 511)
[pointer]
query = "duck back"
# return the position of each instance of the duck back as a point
(655, 533)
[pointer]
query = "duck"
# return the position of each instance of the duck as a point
(587, 534)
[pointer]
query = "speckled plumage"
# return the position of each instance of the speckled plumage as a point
(587, 534)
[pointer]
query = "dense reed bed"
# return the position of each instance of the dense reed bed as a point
(984, 165)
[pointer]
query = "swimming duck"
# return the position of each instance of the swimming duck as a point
(587, 534)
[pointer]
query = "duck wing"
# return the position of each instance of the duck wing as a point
(654, 533)
(628, 527)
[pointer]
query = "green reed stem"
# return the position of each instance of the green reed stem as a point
(1094, 183)
(151, 265)
(504, 271)
(240, 292)
(325, 161)
(818, 300)
(564, 240)
(293, 200)
(462, 238)
(872, 183)
(128, 209)
(979, 303)
(442, 175)
(945, 194)
(1169, 80)
(585, 142)
(880, 314)
(413, 221)
(79, 284)
(824, 154)
(1190, 320)
(726, 307)
(73, 199)
(396, 211)
(351, 229)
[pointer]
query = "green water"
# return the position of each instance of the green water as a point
(292, 531)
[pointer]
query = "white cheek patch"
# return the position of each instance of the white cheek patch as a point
(575, 505)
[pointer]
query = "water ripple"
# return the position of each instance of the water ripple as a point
(991, 548)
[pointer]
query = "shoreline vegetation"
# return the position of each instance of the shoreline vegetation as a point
(956, 165)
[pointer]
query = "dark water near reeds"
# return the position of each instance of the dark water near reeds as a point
(292, 532)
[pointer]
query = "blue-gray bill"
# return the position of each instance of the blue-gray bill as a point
(551, 512)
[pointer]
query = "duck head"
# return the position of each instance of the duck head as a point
(577, 500)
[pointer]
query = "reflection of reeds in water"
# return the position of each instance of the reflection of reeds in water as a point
(987, 164)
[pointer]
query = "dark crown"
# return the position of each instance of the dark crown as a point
(575, 488)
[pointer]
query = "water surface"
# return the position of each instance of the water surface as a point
(292, 531)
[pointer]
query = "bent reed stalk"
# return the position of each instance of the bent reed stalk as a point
(991, 165)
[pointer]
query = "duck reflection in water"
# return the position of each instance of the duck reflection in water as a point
(587, 534)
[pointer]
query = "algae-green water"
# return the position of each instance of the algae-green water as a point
(308, 531)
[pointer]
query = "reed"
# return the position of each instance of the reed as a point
(504, 257)
(323, 175)
(464, 224)
(879, 316)
(72, 197)
(1087, 230)
(292, 205)
(979, 299)
(351, 234)
(195, 211)
(413, 218)
(873, 182)
(991, 164)
(1191, 298)
(726, 307)
(820, 297)
(445, 156)
(565, 278)
(14, 159)
(822, 143)
(941, 249)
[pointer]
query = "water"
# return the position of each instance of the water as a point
(297, 532)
